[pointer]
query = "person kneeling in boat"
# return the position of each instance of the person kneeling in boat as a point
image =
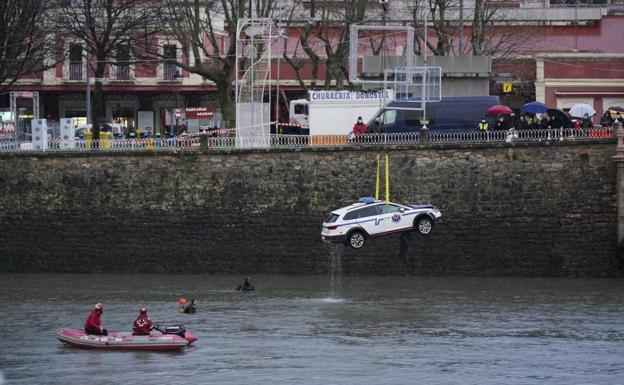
(93, 324)
(246, 285)
(142, 325)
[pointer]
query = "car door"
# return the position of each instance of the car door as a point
(367, 219)
(391, 218)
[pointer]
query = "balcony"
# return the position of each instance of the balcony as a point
(75, 71)
(121, 73)
(170, 72)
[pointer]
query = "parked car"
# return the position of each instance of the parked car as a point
(370, 218)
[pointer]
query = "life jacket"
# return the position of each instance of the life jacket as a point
(142, 324)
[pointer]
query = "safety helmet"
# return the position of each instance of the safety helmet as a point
(143, 310)
(99, 306)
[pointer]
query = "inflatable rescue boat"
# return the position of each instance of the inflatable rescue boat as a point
(168, 339)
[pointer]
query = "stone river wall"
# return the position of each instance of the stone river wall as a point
(544, 209)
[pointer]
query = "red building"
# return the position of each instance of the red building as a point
(571, 54)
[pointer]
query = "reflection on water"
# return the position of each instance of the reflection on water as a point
(390, 330)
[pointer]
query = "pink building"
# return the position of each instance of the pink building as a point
(571, 54)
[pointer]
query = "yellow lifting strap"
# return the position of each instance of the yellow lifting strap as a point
(377, 183)
(387, 180)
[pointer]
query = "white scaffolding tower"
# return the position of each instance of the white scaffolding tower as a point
(253, 68)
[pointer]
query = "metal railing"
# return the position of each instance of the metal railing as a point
(121, 72)
(193, 143)
(75, 71)
(170, 71)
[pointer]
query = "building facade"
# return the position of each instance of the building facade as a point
(570, 51)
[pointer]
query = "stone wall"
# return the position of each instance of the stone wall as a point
(526, 210)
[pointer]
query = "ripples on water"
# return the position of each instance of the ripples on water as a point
(392, 330)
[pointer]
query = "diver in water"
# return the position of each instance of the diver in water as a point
(246, 285)
(190, 308)
(187, 307)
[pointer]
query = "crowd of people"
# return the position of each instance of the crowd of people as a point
(521, 122)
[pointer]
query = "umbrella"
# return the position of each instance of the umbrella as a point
(499, 110)
(580, 109)
(535, 107)
(616, 109)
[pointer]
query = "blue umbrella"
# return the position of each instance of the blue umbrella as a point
(535, 107)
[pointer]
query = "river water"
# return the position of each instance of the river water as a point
(390, 330)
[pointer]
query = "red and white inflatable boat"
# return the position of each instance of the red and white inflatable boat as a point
(157, 341)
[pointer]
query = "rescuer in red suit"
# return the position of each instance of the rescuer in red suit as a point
(93, 324)
(142, 324)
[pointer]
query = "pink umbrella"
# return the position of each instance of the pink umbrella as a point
(499, 110)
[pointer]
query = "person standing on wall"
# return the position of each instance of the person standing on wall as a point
(587, 123)
(483, 125)
(502, 124)
(359, 127)
(522, 123)
(606, 120)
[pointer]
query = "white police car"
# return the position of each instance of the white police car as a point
(371, 218)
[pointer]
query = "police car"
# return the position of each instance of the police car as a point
(371, 218)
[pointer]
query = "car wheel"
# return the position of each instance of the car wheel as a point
(423, 225)
(357, 239)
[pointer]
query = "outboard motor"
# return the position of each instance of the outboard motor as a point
(173, 329)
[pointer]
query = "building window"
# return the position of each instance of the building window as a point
(122, 65)
(171, 55)
(75, 62)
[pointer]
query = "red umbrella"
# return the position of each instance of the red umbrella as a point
(499, 110)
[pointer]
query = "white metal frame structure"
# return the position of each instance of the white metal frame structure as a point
(425, 84)
(354, 33)
(254, 39)
(34, 95)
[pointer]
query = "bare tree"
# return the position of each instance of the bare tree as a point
(206, 32)
(488, 39)
(103, 29)
(24, 45)
(441, 26)
(324, 39)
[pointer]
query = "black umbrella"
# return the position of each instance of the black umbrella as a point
(616, 108)
(562, 116)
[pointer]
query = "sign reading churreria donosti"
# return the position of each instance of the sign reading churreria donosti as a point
(342, 96)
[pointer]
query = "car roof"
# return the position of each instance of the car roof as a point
(363, 202)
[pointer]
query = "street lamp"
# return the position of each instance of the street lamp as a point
(177, 76)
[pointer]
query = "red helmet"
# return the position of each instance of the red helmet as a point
(143, 310)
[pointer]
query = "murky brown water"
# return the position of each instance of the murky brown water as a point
(391, 330)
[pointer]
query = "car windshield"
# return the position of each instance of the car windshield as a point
(331, 218)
